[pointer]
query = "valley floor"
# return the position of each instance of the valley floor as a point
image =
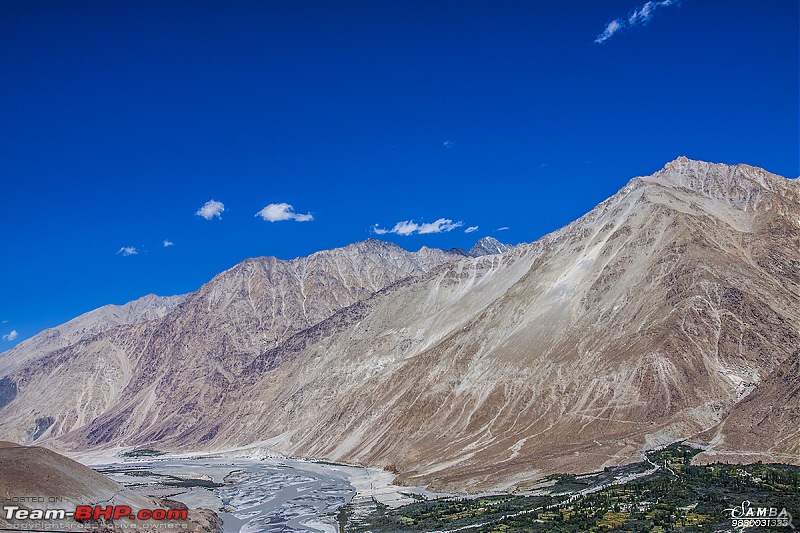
(253, 493)
(664, 492)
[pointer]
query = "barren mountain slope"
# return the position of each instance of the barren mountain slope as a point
(216, 331)
(647, 320)
(669, 311)
(146, 308)
(88, 378)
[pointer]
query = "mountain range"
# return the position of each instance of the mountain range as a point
(669, 311)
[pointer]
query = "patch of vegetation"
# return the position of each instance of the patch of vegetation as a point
(449, 513)
(343, 516)
(678, 496)
(188, 483)
(163, 479)
(131, 472)
(328, 463)
(569, 483)
(414, 496)
(142, 452)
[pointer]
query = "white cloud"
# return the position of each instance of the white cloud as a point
(405, 227)
(279, 212)
(211, 209)
(611, 28)
(11, 336)
(448, 144)
(471, 229)
(409, 227)
(645, 12)
(128, 250)
(640, 15)
(504, 228)
(441, 225)
(168, 243)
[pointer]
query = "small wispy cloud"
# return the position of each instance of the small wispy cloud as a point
(640, 15)
(409, 227)
(504, 228)
(611, 28)
(449, 144)
(127, 250)
(282, 211)
(643, 14)
(11, 336)
(211, 209)
(168, 243)
(471, 229)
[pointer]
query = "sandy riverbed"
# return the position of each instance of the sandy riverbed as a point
(260, 493)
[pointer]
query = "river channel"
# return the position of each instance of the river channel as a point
(250, 495)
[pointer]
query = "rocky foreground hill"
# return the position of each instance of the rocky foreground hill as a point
(670, 311)
(35, 478)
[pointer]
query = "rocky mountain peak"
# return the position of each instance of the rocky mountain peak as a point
(488, 246)
(743, 187)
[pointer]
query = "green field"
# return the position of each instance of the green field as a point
(676, 497)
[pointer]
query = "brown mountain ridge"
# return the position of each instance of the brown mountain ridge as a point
(669, 311)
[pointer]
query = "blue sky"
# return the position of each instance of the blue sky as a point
(318, 124)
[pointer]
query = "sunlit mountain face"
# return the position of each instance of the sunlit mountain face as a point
(667, 312)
